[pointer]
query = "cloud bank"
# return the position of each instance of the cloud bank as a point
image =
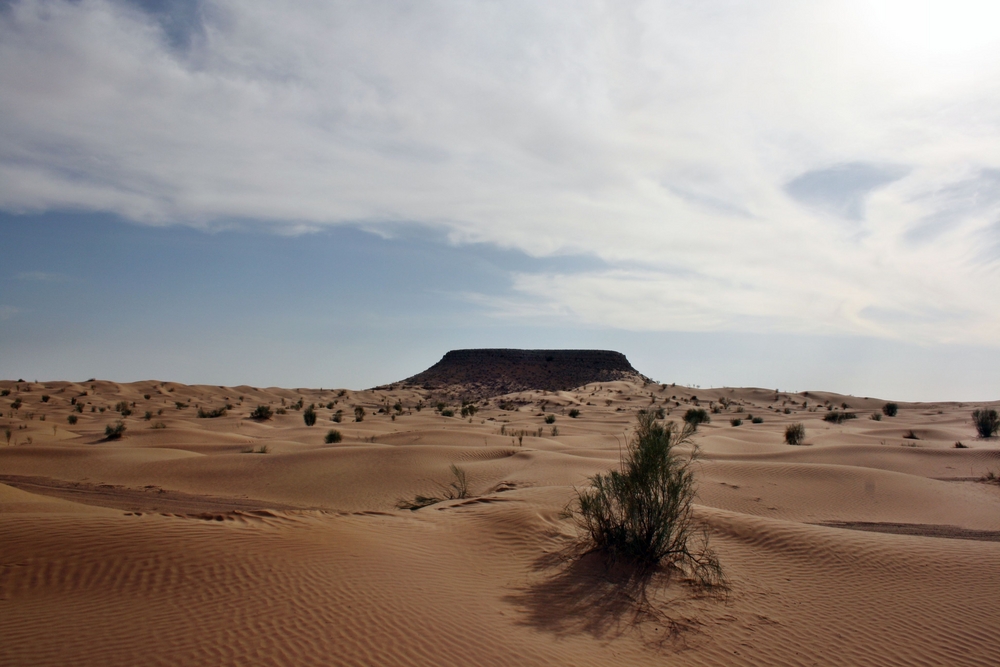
(769, 167)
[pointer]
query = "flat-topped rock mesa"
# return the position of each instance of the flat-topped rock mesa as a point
(492, 372)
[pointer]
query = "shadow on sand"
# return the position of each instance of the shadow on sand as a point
(580, 593)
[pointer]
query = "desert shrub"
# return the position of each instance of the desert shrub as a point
(735, 422)
(45, 398)
(457, 489)
(359, 414)
(469, 410)
(338, 416)
(795, 434)
(550, 419)
(210, 414)
(280, 411)
(16, 404)
(574, 413)
(787, 411)
(642, 514)
(4, 392)
(79, 407)
(987, 422)
(333, 436)
(114, 431)
(696, 416)
(180, 405)
(398, 407)
(158, 425)
(148, 416)
(146, 396)
(263, 449)
(329, 406)
(910, 435)
(447, 412)
(838, 417)
(877, 416)
(261, 413)
(71, 419)
(309, 416)
(959, 445)
(890, 409)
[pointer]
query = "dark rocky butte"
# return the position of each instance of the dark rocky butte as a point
(491, 372)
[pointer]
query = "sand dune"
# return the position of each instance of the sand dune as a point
(210, 541)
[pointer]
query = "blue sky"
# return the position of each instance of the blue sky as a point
(793, 195)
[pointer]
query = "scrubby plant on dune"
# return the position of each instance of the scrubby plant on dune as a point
(261, 413)
(695, 416)
(890, 409)
(309, 416)
(642, 515)
(114, 431)
(457, 489)
(333, 436)
(795, 434)
(987, 422)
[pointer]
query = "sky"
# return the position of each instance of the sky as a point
(803, 196)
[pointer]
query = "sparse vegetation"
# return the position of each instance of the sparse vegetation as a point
(550, 419)
(114, 431)
(71, 420)
(469, 410)
(338, 416)
(795, 434)
(838, 417)
(309, 416)
(457, 489)
(447, 412)
(642, 514)
(261, 413)
(736, 422)
(263, 449)
(45, 398)
(207, 414)
(987, 422)
(877, 416)
(333, 436)
(910, 435)
(574, 413)
(890, 409)
(359, 414)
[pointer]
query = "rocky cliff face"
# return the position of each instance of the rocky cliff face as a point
(492, 372)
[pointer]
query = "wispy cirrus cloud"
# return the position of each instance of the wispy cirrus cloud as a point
(708, 152)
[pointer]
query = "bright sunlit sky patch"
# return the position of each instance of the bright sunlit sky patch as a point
(783, 194)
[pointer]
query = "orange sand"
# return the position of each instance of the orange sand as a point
(171, 546)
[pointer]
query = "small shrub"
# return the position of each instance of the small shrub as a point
(309, 416)
(447, 412)
(338, 416)
(890, 409)
(329, 406)
(457, 489)
(210, 414)
(550, 419)
(795, 434)
(469, 410)
(838, 417)
(398, 407)
(148, 416)
(910, 435)
(987, 422)
(280, 411)
(877, 416)
(158, 425)
(574, 413)
(261, 413)
(642, 514)
(696, 416)
(736, 422)
(359, 414)
(45, 398)
(79, 407)
(333, 436)
(180, 405)
(4, 392)
(114, 431)
(71, 419)
(756, 420)
(959, 445)
(146, 396)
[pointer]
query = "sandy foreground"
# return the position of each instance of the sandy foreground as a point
(227, 541)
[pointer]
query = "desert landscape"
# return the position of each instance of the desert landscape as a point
(200, 535)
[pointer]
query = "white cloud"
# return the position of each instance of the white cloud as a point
(659, 136)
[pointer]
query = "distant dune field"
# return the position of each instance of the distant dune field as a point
(225, 540)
